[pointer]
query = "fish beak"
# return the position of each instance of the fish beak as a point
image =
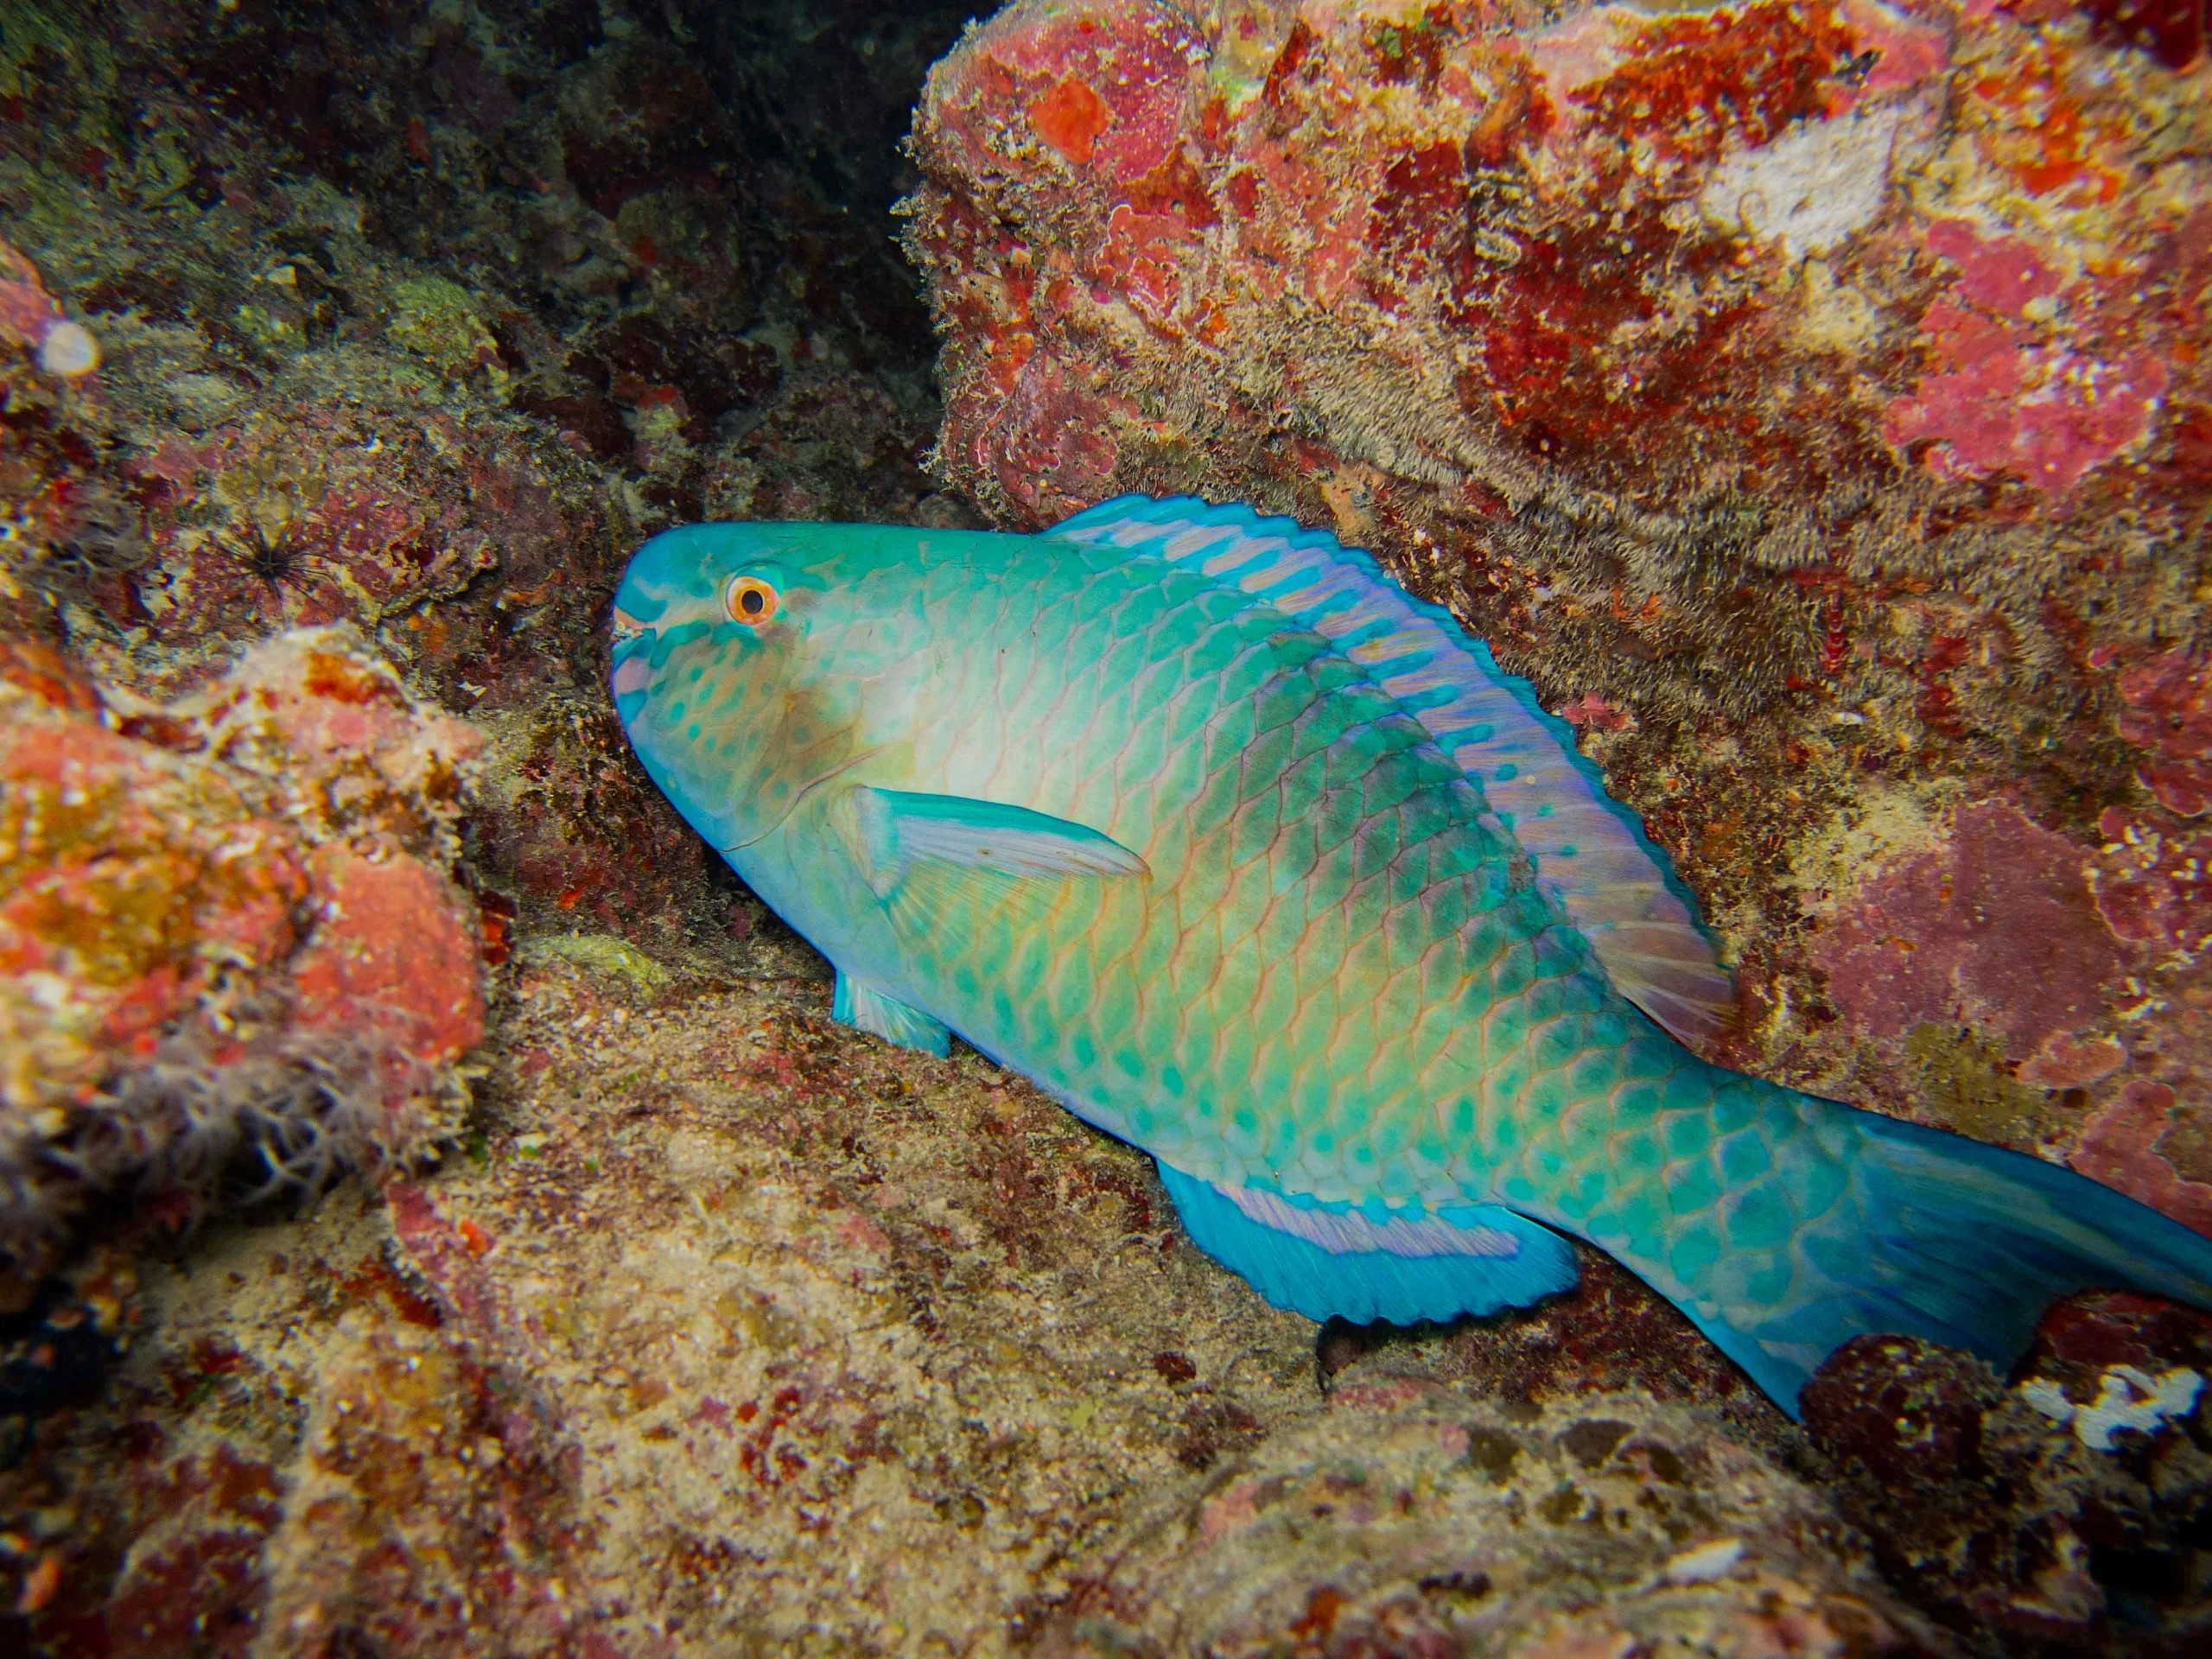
(627, 626)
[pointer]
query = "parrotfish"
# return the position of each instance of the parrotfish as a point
(1201, 822)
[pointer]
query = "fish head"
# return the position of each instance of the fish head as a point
(734, 671)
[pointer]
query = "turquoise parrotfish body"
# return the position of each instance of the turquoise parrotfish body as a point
(1197, 820)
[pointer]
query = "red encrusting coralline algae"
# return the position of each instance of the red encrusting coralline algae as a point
(1998, 928)
(2009, 393)
(224, 925)
(1582, 244)
(2169, 716)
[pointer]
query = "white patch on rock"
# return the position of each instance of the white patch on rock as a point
(67, 349)
(2047, 1397)
(1704, 1563)
(1817, 184)
(2127, 1398)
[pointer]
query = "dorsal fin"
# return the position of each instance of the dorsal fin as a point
(1590, 852)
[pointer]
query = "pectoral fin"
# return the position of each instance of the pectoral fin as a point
(898, 831)
(863, 1005)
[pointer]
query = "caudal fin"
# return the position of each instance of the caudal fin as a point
(1939, 1238)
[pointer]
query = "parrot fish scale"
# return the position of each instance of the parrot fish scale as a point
(1200, 823)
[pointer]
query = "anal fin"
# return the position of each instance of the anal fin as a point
(1324, 1264)
(862, 1006)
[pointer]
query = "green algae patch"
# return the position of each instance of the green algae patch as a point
(38, 48)
(436, 320)
(1965, 1079)
(601, 953)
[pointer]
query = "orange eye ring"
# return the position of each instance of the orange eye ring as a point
(750, 602)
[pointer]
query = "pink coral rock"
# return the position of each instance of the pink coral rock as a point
(2005, 394)
(1996, 927)
(222, 926)
(30, 318)
(2066, 1061)
(133, 885)
(2170, 714)
(2119, 1147)
(1547, 237)
(316, 715)
(1725, 335)
(393, 963)
(2150, 882)
(27, 310)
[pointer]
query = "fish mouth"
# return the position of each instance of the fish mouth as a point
(625, 627)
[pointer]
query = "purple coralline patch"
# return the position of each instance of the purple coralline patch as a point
(2120, 1146)
(2007, 394)
(1998, 928)
(2149, 878)
(2169, 715)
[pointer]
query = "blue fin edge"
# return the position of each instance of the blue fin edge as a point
(1363, 1285)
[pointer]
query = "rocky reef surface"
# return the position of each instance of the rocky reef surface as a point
(437, 1213)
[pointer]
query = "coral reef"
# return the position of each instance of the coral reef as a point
(2000, 1528)
(817, 1341)
(1810, 398)
(224, 924)
(424, 332)
(1381, 1526)
(734, 1327)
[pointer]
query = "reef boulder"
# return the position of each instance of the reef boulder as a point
(1775, 273)
(224, 925)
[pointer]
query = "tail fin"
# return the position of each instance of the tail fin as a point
(1935, 1236)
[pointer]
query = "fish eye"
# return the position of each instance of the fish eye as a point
(750, 600)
